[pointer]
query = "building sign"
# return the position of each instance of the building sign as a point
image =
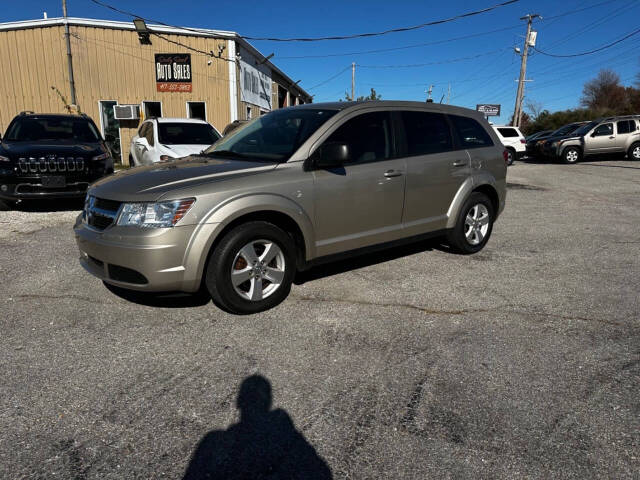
(489, 110)
(173, 72)
(255, 82)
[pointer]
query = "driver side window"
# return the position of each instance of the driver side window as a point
(604, 129)
(368, 137)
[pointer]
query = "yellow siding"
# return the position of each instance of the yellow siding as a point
(109, 64)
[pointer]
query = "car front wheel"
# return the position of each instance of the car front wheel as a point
(252, 268)
(571, 155)
(474, 225)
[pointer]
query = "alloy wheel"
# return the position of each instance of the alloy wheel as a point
(572, 156)
(258, 270)
(476, 224)
(635, 153)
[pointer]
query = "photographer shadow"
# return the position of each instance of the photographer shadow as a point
(263, 444)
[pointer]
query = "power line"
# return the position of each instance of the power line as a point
(330, 78)
(604, 47)
(405, 47)
(339, 37)
(453, 60)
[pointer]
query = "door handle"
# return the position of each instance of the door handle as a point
(392, 173)
(611, 137)
(460, 163)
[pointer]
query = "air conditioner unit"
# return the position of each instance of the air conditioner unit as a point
(126, 112)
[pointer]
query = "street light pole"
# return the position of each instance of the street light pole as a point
(517, 113)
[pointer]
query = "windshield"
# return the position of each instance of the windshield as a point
(585, 128)
(565, 129)
(31, 129)
(183, 133)
(275, 136)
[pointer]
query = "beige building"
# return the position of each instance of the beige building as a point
(171, 72)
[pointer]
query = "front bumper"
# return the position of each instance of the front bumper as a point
(138, 259)
(19, 187)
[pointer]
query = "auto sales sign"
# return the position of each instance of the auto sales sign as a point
(173, 72)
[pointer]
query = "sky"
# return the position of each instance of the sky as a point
(480, 67)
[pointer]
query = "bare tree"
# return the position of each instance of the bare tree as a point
(535, 108)
(604, 92)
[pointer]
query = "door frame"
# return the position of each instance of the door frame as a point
(102, 126)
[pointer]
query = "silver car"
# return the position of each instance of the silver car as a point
(291, 189)
(613, 135)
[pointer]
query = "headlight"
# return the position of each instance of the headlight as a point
(154, 215)
(103, 156)
(4, 159)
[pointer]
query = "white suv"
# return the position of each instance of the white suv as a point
(513, 140)
(161, 139)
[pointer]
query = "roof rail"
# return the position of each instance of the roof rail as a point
(27, 112)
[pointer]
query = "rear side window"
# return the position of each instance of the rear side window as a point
(368, 136)
(626, 126)
(470, 133)
(508, 132)
(426, 132)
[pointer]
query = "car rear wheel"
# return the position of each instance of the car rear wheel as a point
(474, 225)
(511, 156)
(252, 268)
(634, 152)
(571, 155)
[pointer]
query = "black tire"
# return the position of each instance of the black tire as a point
(457, 237)
(511, 156)
(226, 256)
(132, 162)
(6, 205)
(571, 155)
(634, 152)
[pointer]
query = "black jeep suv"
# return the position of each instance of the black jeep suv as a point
(50, 156)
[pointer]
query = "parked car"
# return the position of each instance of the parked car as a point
(613, 135)
(542, 145)
(162, 139)
(513, 140)
(50, 156)
(294, 188)
(533, 139)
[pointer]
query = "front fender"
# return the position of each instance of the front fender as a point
(230, 210)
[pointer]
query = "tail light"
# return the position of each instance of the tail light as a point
(505, 155)
(522, 140)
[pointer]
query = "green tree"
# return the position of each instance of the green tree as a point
(372, 96)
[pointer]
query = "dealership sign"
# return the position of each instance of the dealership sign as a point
(255, 81)
(489, 110)
(173, 72)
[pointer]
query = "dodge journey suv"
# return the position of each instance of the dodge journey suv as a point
(293, 188)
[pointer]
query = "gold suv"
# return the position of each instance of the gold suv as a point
(293, 188)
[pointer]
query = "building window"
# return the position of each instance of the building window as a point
(197, 110)
(152, 109)
(248, 113)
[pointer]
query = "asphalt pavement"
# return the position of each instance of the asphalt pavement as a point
(522, 361)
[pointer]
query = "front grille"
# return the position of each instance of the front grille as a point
(101, 213)
(72, 188)
(51, 164)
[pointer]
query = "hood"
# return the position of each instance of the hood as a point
(43, 148)
(179, 151)
(149, 183)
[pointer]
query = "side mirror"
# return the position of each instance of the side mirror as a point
(332, 155)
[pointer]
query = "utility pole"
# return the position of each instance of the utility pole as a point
(517, 113)
(67, 35)
(429, 99)
(353, 81)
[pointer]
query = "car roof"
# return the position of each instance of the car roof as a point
(175, 120)
(58, 116)
(364, 104)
